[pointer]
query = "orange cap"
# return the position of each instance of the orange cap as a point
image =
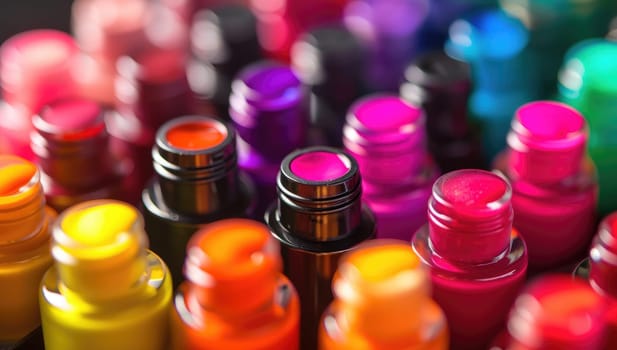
(382, 288)
(196, 135)
(229, 257)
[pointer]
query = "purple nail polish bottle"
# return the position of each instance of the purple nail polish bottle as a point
(319, 215)
(389, 29)
(267, 107)
(386, 135)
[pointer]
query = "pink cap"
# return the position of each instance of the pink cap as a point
(470, 216)
(547, 141)
(36, 68)
(320, 166)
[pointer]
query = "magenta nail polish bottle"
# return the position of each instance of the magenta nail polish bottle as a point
(477, 261)
(386, 135)
(554, 188)
(72, 147)
(269, 112)
(151, 89)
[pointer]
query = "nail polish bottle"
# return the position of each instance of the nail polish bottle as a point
(602, 271)
(554, 27)
(151, 88)
(72, 147)
(223, 40)
(269, 112)
(389, 29)
(106, 290)
(105, 30)
(197, 182)
(24, 246)
(477, 261)
(327, 60)
(382, 301)
(317, 217)
(281, 22)
(493, 43)
(386, 136)
(213, 310)
(35, 70)
(556, 312)
(441, 85)
(554, 188)
(586, 83)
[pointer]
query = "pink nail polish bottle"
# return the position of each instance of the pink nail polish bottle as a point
(603, 271)
(386, 135)
(556, 312)
(554, 188)
(477, 261)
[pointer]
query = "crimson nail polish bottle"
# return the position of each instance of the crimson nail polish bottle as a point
(603, 270)
(72, 147)
(223, 41)
(196, 182)
(318, 216)
(441, 85)
(554, 188)
(35, 69)
(477, 261)
(556, 312)
(151, 89)
(269, 113)
(386, 136)
(328, 60)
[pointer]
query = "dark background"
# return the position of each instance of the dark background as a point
(19, 15)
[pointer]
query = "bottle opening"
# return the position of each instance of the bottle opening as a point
(196, 135)
(320, 166)
(386, 113)
(71, 119)
(550, 121)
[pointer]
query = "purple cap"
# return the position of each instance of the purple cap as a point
(266, 106)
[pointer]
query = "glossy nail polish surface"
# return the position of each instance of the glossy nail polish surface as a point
(493, 43)
(441, 85)
(586, 82)
(24, 246)
(386, 136)
(602, 264)
(318, 216)
(477, 261)
(267, 107)
(382, 301)
(72, 147)
(213, 310)
(106, 289)
(554, 189)
(197, 182)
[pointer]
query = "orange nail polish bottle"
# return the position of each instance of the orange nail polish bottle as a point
(24, 246)
(382, 301)
(235, 296)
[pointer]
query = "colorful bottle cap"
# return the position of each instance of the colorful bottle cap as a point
(558, 311)
(470, 216)
(385, 134)
(228, 257)
(547, 141)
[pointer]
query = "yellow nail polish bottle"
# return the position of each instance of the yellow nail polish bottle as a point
(106, 290)
(24, 247)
